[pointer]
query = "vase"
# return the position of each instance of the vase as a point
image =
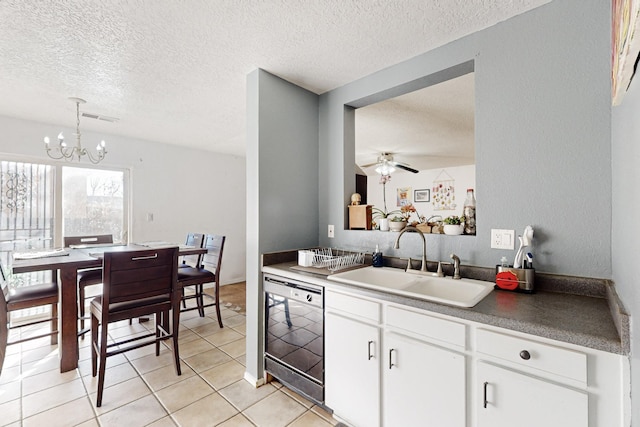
(384, 224)
(453, 229)
(397, 225)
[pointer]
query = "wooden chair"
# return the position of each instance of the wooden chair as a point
(136, 283)
(89, 276)
(19, 298)
(207, 272)
(196, 240)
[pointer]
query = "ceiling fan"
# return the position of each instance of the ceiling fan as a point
(385, 165)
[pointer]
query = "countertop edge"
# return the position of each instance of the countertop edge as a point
(619, 316)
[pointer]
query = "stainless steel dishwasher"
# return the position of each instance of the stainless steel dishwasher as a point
(294, 335)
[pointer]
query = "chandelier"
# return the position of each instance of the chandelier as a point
(69, 153)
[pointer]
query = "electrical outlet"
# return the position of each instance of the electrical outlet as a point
(502, 239)
(331, 231)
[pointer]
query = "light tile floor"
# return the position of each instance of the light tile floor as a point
(144, 390)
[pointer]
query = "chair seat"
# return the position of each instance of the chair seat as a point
(129, 305)
(201, 275)
(91, 276)
(25, 296)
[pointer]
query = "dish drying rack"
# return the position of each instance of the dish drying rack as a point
(336, 259)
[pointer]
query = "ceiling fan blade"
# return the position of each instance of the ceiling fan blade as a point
(403, 166)
(368, 165)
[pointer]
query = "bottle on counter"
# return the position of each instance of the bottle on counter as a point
(469, 212)
(376, 259)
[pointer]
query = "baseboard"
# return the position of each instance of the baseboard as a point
(211, 285)
(253, 381)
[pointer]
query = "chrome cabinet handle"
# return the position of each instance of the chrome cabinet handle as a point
(370, 354)
(138, 258)
(485, 394)
(391, 364)
(525, 355)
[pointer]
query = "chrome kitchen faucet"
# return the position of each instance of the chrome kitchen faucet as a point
(423, 268)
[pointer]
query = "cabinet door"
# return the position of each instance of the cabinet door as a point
(514, 399)
(352, 375)
(423, 384)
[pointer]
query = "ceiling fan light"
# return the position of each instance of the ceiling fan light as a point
(385, 169)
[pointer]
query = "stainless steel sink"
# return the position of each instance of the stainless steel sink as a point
(461, 293)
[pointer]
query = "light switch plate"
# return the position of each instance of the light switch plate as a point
(331, 231)
(502, 239)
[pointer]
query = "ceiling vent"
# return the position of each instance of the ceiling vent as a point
(99, 117)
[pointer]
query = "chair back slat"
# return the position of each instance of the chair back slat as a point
(4, 316)
(196, 240)
(4, 319)
(135, 275)
(4, 284)
(213, 258)
(140, 283)
(88, 240)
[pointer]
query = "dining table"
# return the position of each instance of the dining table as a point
(66, 263)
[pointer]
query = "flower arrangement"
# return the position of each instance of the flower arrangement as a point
(384, 213)
(406, 211)
(379, 213)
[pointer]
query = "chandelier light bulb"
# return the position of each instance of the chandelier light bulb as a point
(47, 140)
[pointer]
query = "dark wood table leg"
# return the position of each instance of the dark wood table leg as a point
(69, 319)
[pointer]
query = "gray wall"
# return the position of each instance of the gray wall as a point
(282, 177)
(543, 143)
(625, 227)
(542, 140)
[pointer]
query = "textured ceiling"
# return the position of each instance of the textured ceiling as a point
(175, 71)
(428, 129)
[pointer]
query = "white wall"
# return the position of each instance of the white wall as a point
(465, 177)
(185, 189)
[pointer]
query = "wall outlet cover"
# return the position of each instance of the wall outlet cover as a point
(331, 231)
(502, 239)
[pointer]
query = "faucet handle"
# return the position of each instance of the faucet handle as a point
(409, 264)
(456, 266)
(439, 273)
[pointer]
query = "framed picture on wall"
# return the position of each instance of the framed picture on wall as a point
(404, 196)
(422, 195)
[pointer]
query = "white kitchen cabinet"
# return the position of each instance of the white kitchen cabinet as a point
(352, 373)
(423, 384)
(431, 369)
(421, 381)
(510, 398)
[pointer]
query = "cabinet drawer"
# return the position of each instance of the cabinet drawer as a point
(427, 326)
(353, 305)
(532, 354)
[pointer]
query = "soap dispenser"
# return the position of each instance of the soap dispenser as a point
(377, 260)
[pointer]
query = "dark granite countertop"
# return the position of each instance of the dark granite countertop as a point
(593, 319)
